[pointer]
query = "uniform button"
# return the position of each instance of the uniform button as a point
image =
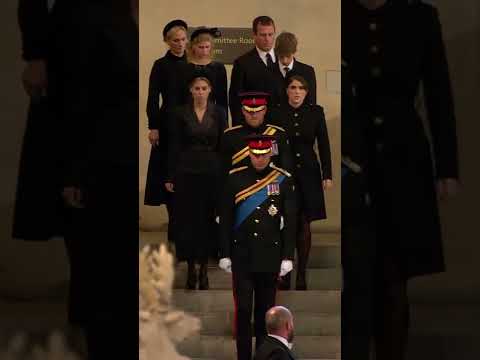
(234, 241)
(372, 26)
(276, 242)
(298, 154)
(297, 134)
(378, 120)
(295, 114)
(376, 71)
(296, 124)
(257, 221)
(258, 207)
(379, 147)
(255, 234)
(299, 166)
(374, 49)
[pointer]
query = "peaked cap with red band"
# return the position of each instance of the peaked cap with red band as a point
(253, 101)
(259, 144)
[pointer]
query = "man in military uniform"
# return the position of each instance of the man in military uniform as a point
(234, 151)
(257, 237)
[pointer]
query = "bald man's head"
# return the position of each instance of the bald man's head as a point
(279, 321)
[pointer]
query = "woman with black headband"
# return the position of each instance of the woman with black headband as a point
(200, 57)
(165, 78)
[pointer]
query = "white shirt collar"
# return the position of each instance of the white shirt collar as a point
(263, 55)
(282, 67)
(282, 340)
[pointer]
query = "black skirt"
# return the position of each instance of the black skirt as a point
(311, 198)
(195, 230)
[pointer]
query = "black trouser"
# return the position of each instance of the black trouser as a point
(391, 311)
(358, 253)
(105, 247)
(247, 288)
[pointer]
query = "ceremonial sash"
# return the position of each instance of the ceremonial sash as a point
(253, 196)
(242, 154)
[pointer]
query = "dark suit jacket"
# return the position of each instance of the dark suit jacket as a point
(308, 73)
(251, 74)
(273, 349)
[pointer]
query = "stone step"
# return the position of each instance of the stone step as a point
(325, 251)
(223, 347)
(317, 279)
(210, 301)
(306, 324)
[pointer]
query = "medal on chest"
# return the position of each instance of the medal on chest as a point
(272, 210)
(274, 148)
(273, 189)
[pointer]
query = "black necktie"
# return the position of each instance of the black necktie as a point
(286, 69)
(269, 61)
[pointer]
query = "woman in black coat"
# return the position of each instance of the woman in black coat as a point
(305, 124)
(194, 176)
(165, 81)
(389, 60)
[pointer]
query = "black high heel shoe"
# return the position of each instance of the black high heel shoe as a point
(203, 278)
(191, 277)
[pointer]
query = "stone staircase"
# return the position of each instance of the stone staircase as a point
(316, 311)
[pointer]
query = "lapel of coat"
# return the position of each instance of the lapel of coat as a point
(282, 345)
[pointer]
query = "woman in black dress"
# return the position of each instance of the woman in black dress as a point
(305, 124)
(200, 58)
(164, 81)
(193, 176)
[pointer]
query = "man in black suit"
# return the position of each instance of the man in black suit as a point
(277, 344)
(285, 49)
(256, 70)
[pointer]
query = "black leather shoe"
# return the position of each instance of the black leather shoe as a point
(191, 278)
(284, 282)
(203, 278)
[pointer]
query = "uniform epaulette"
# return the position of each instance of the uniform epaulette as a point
(276, 127)
(283, 171)
(233, 171)
(232, 128)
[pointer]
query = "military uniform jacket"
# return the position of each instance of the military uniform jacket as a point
(391, 51)
(234, 149)
(305, 126)
(250, 219)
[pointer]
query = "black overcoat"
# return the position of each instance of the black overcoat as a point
(305, 126)
(390, 52)
(166, 79)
